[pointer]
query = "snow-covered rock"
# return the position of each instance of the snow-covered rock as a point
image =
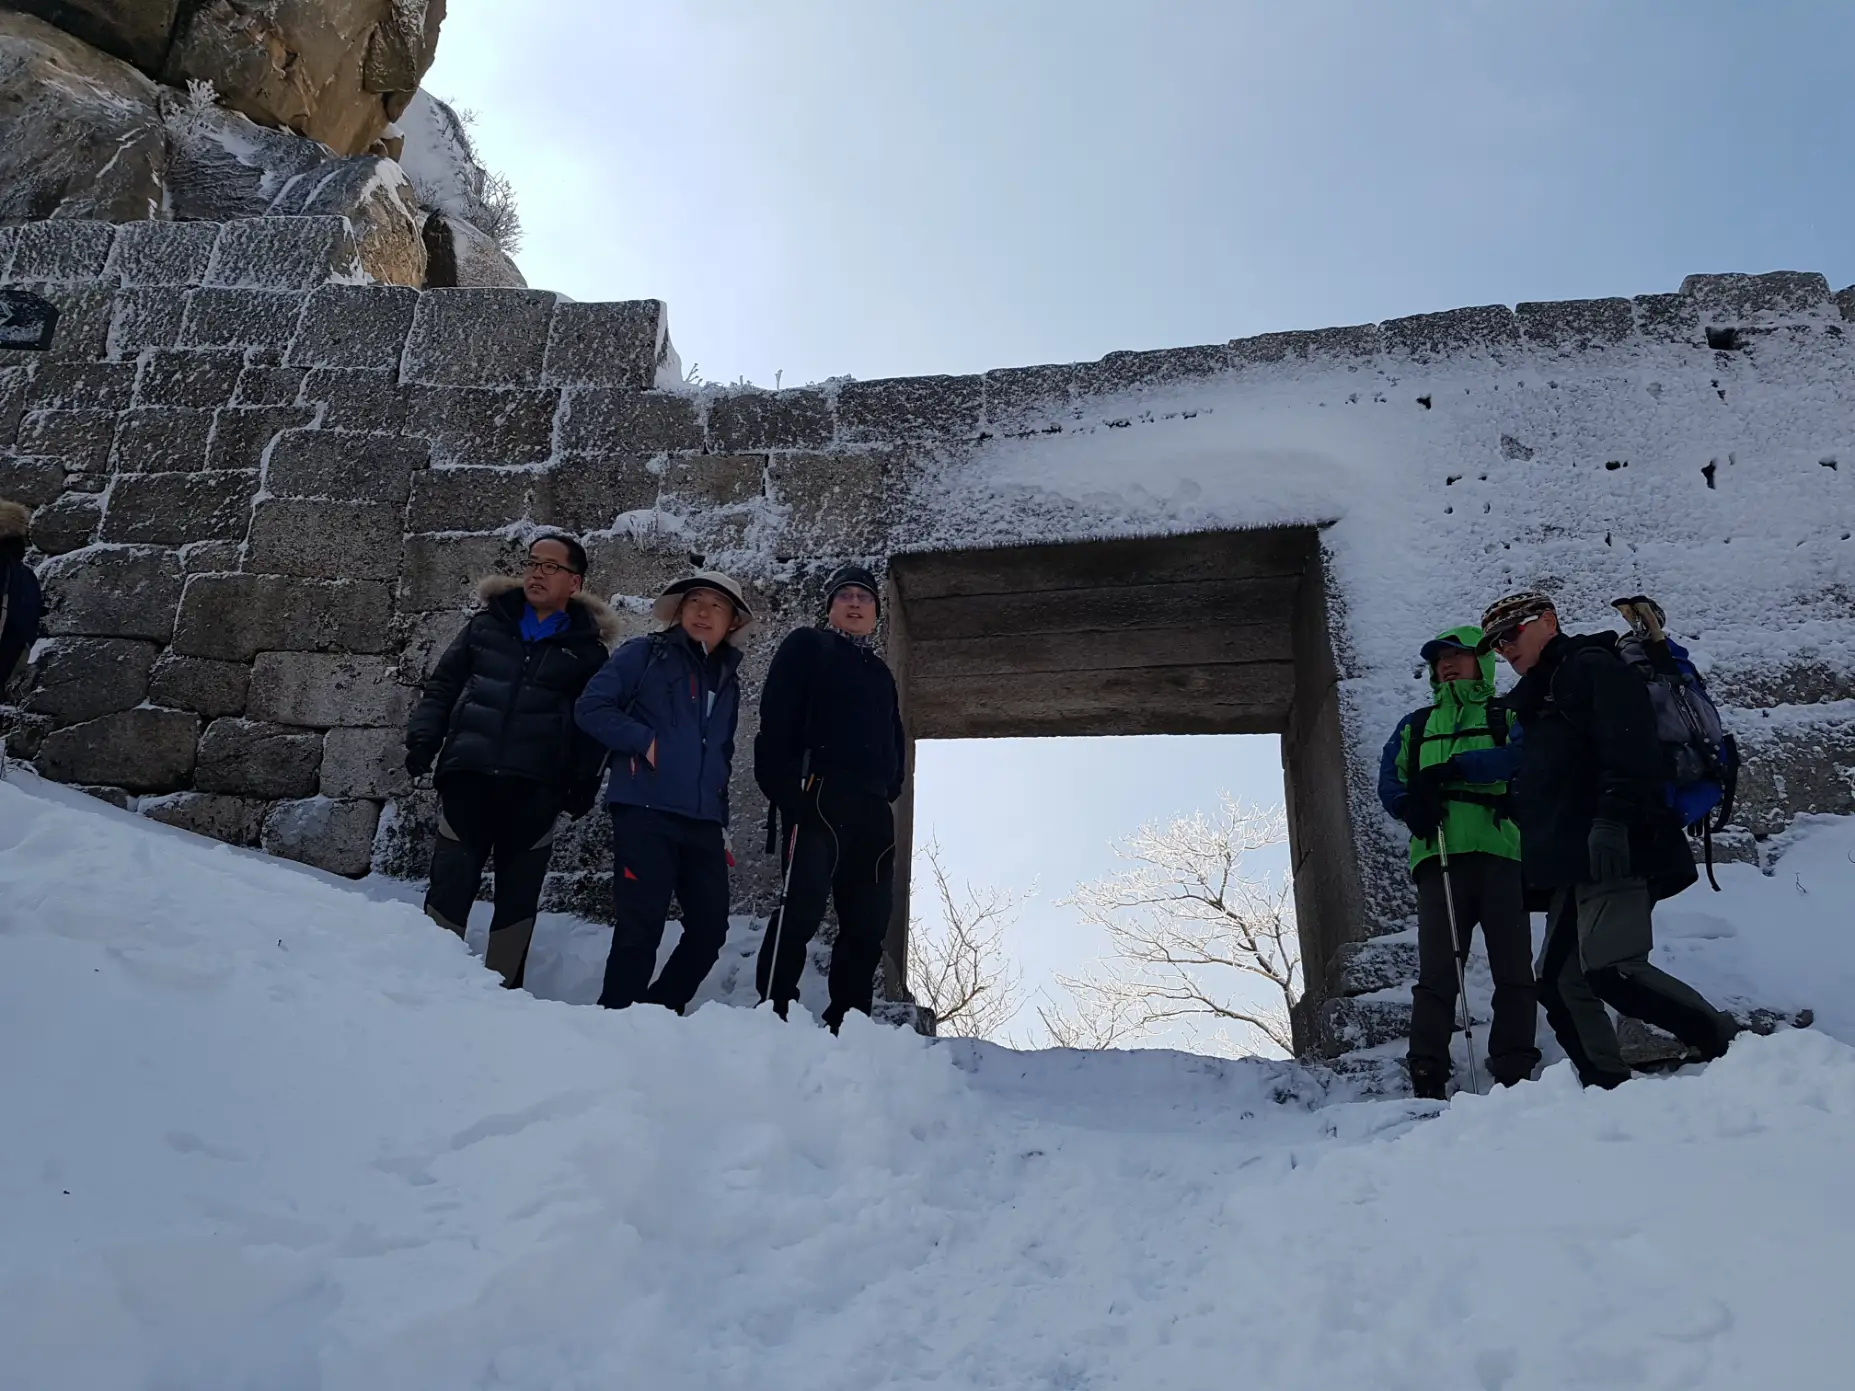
(447, 177)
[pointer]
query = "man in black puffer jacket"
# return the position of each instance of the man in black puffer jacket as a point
(497, 715)
(1596, 832)
(829, 757)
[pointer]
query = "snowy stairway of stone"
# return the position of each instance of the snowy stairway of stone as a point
(267, 1128)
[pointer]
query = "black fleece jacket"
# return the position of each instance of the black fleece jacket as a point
(835, 698)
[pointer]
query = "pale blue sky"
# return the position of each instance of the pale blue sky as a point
(872, 187)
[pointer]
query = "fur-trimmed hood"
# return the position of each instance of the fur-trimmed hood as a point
(15, 521)
(604, 620)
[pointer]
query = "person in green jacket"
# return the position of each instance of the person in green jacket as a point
(1444, 774)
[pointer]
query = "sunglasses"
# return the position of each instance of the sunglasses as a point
(1509, 636)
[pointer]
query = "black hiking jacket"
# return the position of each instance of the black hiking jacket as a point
(1590, 750)
(502, 705)
(835, 698)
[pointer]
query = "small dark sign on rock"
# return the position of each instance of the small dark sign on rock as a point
(27, 321)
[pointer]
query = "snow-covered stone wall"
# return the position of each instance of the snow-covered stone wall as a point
(264, 496)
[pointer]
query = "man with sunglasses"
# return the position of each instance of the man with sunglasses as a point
(829, 758)
(496, 714)
(1597, 834)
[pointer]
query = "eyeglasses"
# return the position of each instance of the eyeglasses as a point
(550, 568)
(1505, 640)
(854, 592)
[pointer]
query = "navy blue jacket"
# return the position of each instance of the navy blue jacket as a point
(835, 699)
(20, 598)
(663, 687)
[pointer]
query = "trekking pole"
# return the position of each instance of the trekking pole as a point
(1462, 980)
(785, 887)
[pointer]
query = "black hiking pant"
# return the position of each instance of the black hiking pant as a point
(1597, 953)
(656, 854)
(512, 821)
(1488, 891)
(844, 851)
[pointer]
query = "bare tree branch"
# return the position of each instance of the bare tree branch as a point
(962, 971)
(1187, 921)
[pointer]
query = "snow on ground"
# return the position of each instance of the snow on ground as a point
(270, 1129)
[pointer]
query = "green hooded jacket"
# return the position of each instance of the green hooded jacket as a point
(1457, 723)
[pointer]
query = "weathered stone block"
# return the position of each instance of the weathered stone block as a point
(721, 479)
(1143, 371)
(470, 499)
(270, 386)
(1017, 394)
(365, 763)
(796, 419)
(345, 467)
(66, 523)
(910, 408)
(479, 337)
(240, 318)
(162, 253)
(1791, 772)
(364, 401)
(171, 377)
(582, 493)
(112, 591)
(325, 540)
(325, 689)
(620, 565)
(173, 508)
(634, 422)
(1745, 299)
(426, 637)
(1845, 302)
(31, 481)
(234, 617)
(234, 820)
(75, 679)
(242, 434)
(61, 251)
(206, 687)
(606, 344)
(15, 386)
(441, 572)
(349, 326)
(149, 317)
(840, 504)
(211, 557)
(254, 759)
(79, 439)
(72, 386)
(85, 313)
(403, 841)
(1488, 328)
(1377, 964)
(162, 439)
(476, 426)
(117, 797)
(1576, 325)
(142, 750)
(282, 253)
(22, 731)
(1668, 318)
(336, 836)
(1343, 1024)
(96, 483)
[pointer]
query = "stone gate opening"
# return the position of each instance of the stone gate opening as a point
(1219, 632)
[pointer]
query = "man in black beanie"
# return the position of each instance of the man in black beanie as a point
(829, 757)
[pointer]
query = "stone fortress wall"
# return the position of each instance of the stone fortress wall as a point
(265, 490)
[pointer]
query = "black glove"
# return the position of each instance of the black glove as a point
(580, 798)
(1423, 804)
(1609, 844)
(419, 759)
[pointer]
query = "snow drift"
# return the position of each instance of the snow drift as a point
(268, 1131)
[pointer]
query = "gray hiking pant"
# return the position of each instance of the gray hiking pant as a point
(1597, 953)
(1487, 891)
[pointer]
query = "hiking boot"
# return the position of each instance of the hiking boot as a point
(1428, 1083)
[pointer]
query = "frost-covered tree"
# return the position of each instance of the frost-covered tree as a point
(1191, 925)
(961, 970)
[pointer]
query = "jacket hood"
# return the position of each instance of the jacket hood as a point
(1468, 637)
(15, 521)
(598, 612)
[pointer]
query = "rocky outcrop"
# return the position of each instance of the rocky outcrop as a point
(460, 234)
(80, 132)
(376, 198)
(337, 71)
